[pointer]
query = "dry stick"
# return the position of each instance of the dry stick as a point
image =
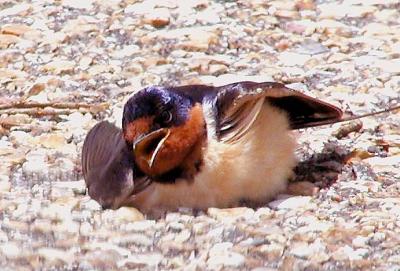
(50, 109)
(60, 105)
(354, 117)
(347, 117)
(347, 128)
(39, 112)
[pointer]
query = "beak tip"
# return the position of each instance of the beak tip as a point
(140, 145)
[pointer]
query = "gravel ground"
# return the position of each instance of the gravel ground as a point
(64, 65)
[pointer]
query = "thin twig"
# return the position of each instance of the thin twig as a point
(40, 112)
(41, 109)
(61, 105)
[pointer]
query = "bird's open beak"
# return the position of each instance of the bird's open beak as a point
(148, 146)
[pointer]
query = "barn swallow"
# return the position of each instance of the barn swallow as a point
(200, 146)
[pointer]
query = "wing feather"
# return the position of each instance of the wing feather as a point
(101, 144)
(239, 104)
(108, 167)
(241, 120)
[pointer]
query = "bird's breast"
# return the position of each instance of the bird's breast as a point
(255, 168)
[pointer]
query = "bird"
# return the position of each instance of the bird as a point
(200, 146)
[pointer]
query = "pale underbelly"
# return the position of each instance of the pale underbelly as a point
(254, 169)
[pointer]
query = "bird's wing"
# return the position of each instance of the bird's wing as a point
(238, 105)
(99, 147)
(108, 162)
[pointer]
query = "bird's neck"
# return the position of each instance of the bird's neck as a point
(189, 167)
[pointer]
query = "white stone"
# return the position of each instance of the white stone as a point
(360, 241)
(79, 4)
(293, 59)
(54, 255)
(15, 10)
(10, 250)
(152, 260)
(140, 225)
(221, 255)
(290, 203)
(230, 215)
(21, 138)
(126, 51)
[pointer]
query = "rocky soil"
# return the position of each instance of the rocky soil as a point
(64, 65)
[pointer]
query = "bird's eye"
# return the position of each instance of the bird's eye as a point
(166, 116)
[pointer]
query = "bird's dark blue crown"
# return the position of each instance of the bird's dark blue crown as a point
(152, 101)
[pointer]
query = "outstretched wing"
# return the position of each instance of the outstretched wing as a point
(239, 104)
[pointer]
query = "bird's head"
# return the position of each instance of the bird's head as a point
(162, 127)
